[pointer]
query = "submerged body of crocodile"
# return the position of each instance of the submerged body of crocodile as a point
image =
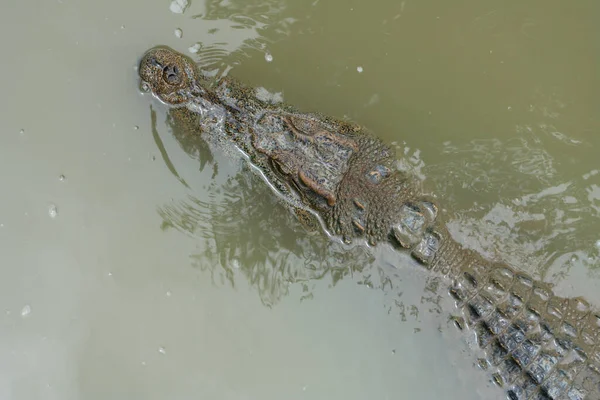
(333, 173)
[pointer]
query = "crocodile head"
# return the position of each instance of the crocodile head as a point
(170, 76)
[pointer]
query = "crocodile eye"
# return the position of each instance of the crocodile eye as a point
(153, 61)
(171, 75)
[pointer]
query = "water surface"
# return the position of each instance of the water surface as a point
(136, 265)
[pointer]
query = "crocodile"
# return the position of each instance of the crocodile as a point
(336, 176)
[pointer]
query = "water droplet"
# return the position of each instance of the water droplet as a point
(268, 57)
(62, 178)
(168, 293)
(178, 33)
(162, 350)
(26, 310)
(109, 273)
(394, 351)
(122, 26)
(359, 69)
(143, 363)
(22, 132)
(135, 128)
(52, 211)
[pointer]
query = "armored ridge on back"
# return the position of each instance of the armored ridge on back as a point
(333, 173)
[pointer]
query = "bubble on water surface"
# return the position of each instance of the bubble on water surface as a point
(195, 48)
(62, 178)
(162, 350)
(268, 57)
(264, 95)
(52, 211)
(359, 69)
(178, 6)
(178, 33)
(22, 132)
(26, 310)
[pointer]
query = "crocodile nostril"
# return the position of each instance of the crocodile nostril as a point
(171, 74)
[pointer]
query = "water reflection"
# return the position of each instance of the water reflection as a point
(244, 231)
(244, 11)
(538, 221)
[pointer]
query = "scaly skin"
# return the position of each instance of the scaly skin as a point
(536, 345)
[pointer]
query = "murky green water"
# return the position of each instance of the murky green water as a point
(136, 265)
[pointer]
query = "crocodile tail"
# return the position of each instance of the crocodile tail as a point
(536, 345)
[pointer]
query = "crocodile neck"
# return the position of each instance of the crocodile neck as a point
(225, 109)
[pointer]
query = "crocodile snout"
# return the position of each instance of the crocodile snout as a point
(167, 74)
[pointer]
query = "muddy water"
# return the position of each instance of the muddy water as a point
(136, 265)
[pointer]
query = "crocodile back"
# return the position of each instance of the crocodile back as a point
(537, 345)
